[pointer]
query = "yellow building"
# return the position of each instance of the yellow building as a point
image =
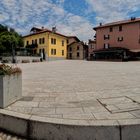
(50, 45)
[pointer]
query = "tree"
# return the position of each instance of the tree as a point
(9, 40)
(3, 28)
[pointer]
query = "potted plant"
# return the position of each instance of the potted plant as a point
(10, 85)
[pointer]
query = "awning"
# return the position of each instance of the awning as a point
(135, 50)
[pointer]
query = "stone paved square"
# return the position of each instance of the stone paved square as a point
(80, 90)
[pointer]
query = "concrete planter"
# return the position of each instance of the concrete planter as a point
(10, 89)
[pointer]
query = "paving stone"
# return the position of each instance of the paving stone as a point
(136, 113)
(25, 104)
(69, 110)
(115, 100)
(26, 110)
(128, 106)
(80, 90)
(43, 111)
(107, 115)
(80, 116)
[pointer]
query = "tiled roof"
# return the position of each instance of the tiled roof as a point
(43, 31)
(134, 20)
(74, 37)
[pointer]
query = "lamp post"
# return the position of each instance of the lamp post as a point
(13, 54)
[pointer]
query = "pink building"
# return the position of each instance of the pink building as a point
(122, 35)
(91, 48)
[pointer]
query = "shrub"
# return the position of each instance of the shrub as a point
(8, 70)
(35, 60)
(25, 61)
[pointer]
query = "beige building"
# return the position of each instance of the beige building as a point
(76, 49)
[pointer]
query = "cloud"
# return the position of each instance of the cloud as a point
(24, 14)
(112, 10)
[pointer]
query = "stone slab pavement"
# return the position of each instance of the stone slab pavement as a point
(80, 90)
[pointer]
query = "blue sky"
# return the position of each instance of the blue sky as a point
(71, 17)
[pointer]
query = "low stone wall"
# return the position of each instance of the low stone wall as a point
(41, 128)
(22, 59)
(55, 58)
(10, 89)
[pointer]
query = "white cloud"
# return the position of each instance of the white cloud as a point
(112, 10)
(25, 14)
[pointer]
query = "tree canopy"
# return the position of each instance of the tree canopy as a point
(9, 39)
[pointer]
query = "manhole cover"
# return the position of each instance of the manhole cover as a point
(119, 104)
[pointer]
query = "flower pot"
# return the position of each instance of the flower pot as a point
(10, 89)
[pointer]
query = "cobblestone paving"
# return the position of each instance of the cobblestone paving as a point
(81, 90)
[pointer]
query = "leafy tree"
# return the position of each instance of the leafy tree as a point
(3, 28)
(9, 40)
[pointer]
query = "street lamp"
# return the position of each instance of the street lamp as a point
(13, 54)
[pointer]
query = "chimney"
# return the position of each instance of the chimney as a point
(54, 29)
(101, 24)
(42, 27)
(133, 18)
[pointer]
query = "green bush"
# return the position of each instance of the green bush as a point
(8, 70)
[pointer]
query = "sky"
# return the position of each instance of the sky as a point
(71, 17)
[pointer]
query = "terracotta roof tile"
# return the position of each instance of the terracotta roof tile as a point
(43, 31)
(118, 23)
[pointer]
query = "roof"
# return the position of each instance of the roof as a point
(76, 42)
(132, 20)
(91, 41)
(44, 30)
(77, 39)
(35, 28)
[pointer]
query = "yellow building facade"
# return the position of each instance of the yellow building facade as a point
(48, 44)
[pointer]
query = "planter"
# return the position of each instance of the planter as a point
(10, 89)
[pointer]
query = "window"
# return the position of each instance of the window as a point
(27, 43)
(53, 51)
(35, 41)
(106, 37)
(32, 41)
(120, 28)
(39, 40)
(67, 41)
(106, 46)
(53, 41)
(62, 52)
(62, 42)
(120, 39)
(77, 47)
(43, 40)
(70, 49)
(78, 54)
(111, 29)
